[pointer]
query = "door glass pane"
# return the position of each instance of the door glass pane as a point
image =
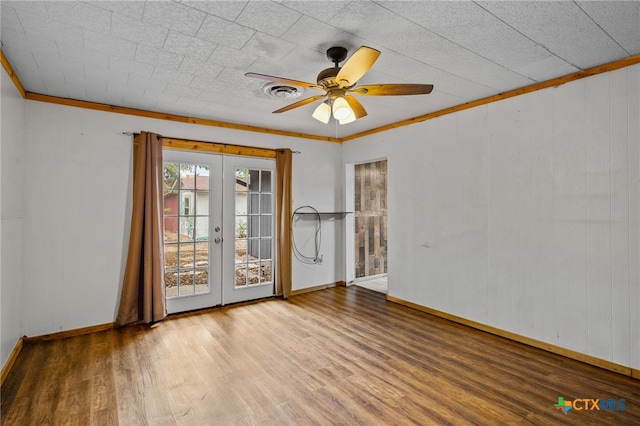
(265, 248)
(241, 274)
(201, 254)
(253, 180)
(187, 256)
(241, 250)
(241, 202)
(265, 181)
(253, 276)
(187, 203)
(254, 204)
(242, 180)
(254, 228)
(171, 282)
(241, 226)
(265, 202)
(265, 226)
(186, 283)
(202, 280)
(202, 177)
(170, 229)
(186, 228)
(187, 174)
(265, 271)
(201, 231)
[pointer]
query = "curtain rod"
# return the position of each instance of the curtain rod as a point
(127, 133)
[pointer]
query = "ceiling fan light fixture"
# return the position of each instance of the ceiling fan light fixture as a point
(349, 119)
(323, 112)
(341, 109)
(339, 86)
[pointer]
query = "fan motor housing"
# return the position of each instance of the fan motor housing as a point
(327, 77)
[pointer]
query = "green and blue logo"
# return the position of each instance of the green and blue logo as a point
(590, 404)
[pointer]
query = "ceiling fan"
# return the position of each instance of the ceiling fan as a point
(339, 83)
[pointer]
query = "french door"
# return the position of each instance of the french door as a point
(219, 223)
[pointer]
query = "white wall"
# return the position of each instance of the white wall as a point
(77, 194)
(523, 214)
(11, 213)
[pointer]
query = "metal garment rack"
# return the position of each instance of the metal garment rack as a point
(322, 213)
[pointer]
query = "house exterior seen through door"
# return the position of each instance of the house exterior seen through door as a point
(218, 229)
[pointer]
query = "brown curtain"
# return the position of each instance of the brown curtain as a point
(283, 243)
(142, 298)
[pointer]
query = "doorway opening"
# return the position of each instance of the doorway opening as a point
(370, 225)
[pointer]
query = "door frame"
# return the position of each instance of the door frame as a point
(222, 203)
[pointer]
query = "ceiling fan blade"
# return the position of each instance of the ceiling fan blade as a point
(356, 66)
(299, 104)
(392, 89)
(356, 106)
(282, 80)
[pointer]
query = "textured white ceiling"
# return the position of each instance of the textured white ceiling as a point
(189, 57)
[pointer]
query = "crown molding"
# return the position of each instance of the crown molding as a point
(171, 117)
(14, 77)
(611, 66)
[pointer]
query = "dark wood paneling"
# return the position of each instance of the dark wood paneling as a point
(370, 217)
(337, 356)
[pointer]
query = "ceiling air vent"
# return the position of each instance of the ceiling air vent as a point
(282, 91)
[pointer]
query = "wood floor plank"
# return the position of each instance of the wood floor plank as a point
(337, 356)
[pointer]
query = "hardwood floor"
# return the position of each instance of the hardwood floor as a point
(338, 356)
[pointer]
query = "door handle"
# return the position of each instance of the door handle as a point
(217, 240)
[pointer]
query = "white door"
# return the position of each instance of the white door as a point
(218, 229)
(249, 228)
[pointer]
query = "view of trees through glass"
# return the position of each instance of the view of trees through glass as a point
(186, 228)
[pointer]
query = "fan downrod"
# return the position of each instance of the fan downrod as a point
(336, 54)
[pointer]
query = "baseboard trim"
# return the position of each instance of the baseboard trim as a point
(71, 333)
(587, 359)
(316, 288)
(11, 360)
